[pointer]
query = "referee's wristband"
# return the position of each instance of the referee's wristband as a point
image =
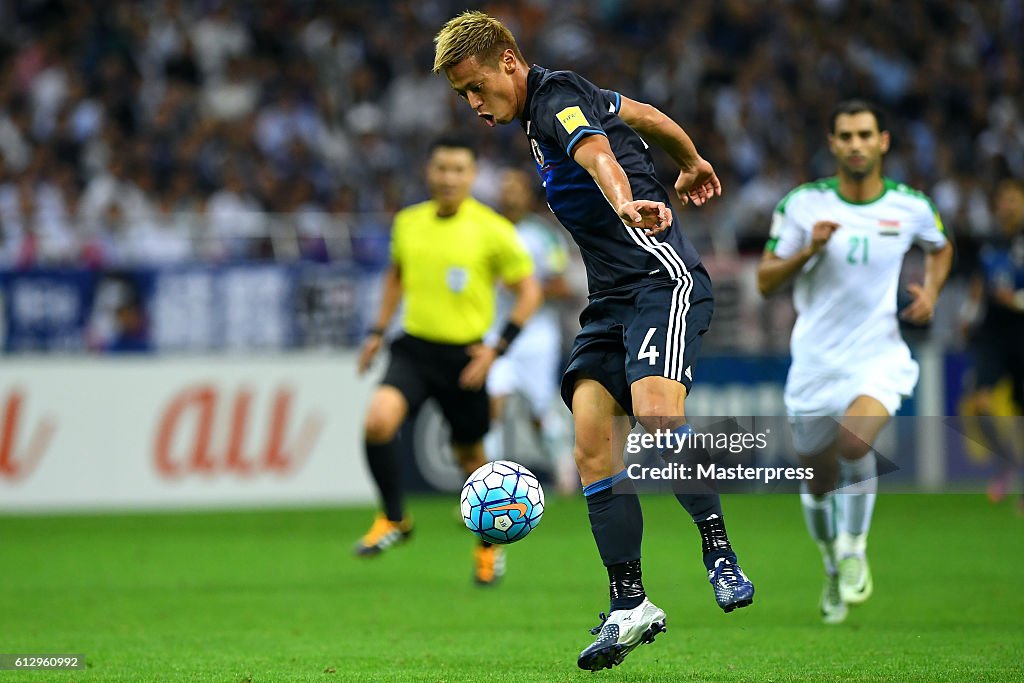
(508, 335)
(379, 331)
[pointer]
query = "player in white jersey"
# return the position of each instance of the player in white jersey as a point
(843, 240)
(532, 364)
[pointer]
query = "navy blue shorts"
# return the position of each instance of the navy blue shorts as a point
(651, 330)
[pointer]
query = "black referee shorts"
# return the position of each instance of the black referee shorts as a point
(422, 369)
(651, 330)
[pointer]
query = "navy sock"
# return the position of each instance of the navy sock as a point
(714, 541)
(385, 466)
(617, 523)
(703, 503)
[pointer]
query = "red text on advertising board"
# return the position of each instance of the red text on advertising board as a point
(18, 463)
(206, 430)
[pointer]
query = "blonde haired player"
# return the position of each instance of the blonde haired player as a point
(650, 297)
(842, 240)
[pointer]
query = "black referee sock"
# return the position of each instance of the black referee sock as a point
(617, 523)
(385, 466)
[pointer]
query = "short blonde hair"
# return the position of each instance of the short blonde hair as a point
(472, 34)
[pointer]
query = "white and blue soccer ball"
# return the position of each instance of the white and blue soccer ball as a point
(502, 502)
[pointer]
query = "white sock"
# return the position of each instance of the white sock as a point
(858, 480)
(494, 442)
(819, 514)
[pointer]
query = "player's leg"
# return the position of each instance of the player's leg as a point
(616, 521)
(814, 440)
(468, 415)
(992, 362)
(537, 377)
(501, 383)
(1017, 377)
(664, 327)
(858, 482)
(401, 393)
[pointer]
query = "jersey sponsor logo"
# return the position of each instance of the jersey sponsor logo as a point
(572, 118)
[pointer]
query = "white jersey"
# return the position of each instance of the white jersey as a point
(845, 296)
(550, 258)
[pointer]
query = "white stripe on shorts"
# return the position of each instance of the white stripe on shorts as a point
(675, 336)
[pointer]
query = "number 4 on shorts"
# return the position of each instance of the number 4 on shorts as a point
(647, 350)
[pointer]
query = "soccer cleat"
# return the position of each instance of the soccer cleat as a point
(732, 587)
(833, 609)
(854, 579)
(382, 535)
(999, 485)
(488, 564)
(619, 633)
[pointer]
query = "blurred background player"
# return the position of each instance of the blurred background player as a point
(532, 364)
(447, 255)
(650, 297)
(996, 308)
(843, 239)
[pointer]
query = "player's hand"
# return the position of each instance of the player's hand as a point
(370, 348)
(698, 184)
(643, 214)
(481, 357)
(821, 233)
(921, 310)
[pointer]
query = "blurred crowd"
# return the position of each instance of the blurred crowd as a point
(160, 131)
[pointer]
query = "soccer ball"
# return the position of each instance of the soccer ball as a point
(502, 502)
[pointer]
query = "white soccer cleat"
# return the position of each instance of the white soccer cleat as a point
(855, 584)
(833, 609)
(619, 633)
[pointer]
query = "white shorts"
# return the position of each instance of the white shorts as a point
(828, 396)
(529, 367)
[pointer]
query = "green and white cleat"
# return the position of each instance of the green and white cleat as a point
(855, 584)
(833, 609)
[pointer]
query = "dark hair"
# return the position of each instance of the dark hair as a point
(856, 106)
(453, 141)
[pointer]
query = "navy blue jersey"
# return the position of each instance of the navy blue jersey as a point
(561, 109)
(1002, 266)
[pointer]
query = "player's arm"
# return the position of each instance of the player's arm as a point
(390, 298)
(697, 181)
(774, 272)
(595, 155)
(528, 298)
(936, 269)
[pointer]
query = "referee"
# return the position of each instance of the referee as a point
(447, 255)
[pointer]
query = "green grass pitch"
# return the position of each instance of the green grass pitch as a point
(277, 596)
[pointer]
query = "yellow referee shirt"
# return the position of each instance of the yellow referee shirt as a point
(449, 267)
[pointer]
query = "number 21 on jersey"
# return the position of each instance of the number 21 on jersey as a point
(858, 253)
